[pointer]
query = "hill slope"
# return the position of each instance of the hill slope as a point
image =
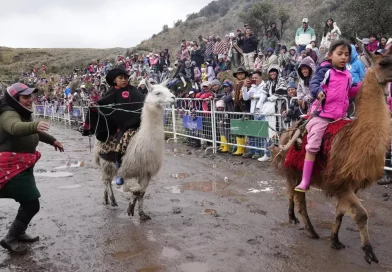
(14, 61)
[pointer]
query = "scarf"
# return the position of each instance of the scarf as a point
(12, 164)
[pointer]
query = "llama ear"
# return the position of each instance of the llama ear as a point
(149, 86)
(165, 82)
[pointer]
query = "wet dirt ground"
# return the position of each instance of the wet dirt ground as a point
(208, 214)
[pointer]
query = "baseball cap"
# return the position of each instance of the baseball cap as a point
(21, 89)
(305, 20)
(191, 92)
(227, 84)
(205, 84)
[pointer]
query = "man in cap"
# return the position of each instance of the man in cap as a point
(305, 34)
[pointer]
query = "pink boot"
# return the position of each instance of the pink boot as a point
(306, 177)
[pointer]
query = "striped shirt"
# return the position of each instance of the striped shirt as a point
(220, 48)
(209, 48)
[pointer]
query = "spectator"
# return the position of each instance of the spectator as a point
(373, 43)
(383, 43)
(326, 40)
(210, 71)
(389, 44)
(290, 66)
(239, 104)
(189, 74)
(162, 61)
(275, 31)
(309, 52)
(259, 61)
(292, 113)
(203, 75)
(184, 53)
(154, 63)
(196, 55)
(268, 41)
(249, 47)
(223, 125)
(323, 54)
(271, 59)
(274, 86)
(202, 47)
(227, 96)
(356, 66)
(221, 67)
(196, 72)
(253, 91)
(305, 34)
(335, 32)
(209, 48)
(220, 47)
(142, 87)
(283, 59)
(306, 70)
(165, 74)
(315, 49)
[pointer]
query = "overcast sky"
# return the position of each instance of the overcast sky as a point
(88, 23)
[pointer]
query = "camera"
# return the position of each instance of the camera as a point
(287, 120)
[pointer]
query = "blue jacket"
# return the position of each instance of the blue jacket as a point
(356, 67)
(67, 91)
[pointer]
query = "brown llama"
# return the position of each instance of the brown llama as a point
(355, 160)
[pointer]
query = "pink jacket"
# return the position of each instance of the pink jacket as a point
(337, 86)
(154, 61)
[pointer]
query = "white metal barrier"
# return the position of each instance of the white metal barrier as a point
(197, 127)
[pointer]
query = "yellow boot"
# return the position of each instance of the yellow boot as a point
(224, 147)
(240, 150)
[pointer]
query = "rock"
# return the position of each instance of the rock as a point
(177, 210)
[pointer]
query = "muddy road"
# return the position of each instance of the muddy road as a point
(208, 214)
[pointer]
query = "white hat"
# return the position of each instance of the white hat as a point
(220, 104)
(231, 35)
(191, 92)
(309, 46)
(305, 20)
(205, 84)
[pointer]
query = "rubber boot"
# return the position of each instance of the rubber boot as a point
(10, 241)
(224, 147)
(119, 180)
(306, 177)
(240, 150)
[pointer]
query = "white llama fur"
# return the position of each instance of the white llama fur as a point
(145, 153)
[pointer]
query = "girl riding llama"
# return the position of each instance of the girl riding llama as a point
(332, 86)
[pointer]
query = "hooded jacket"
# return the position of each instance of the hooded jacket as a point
(338, 88)
(303, 91)
(356, 66)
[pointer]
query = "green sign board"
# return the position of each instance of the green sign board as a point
(249, 128)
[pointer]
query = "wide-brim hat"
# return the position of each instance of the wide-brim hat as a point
(240, 70)
(115, 72)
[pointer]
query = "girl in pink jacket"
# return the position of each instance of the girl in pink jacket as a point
(332, 86)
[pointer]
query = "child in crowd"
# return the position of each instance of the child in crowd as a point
(203, 75)
(223, 125)
(334, 92)
(292, 112)
(306, 70)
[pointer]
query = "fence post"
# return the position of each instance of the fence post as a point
(174, 123)
(44, 110)
(213, 127)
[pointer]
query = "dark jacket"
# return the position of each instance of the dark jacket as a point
(124, 114)
(249, 44)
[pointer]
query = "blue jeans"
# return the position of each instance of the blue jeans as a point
(301, 48)
(256, 142)
(263, 142)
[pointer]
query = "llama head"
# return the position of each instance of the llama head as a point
(159, 95)
(381, 63)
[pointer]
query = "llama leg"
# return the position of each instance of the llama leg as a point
(300, 203)
(112, 198)
(340, 211)
(142, 214)
(360, 216)
(131, 207)
(143, 185)
(106, 192)
(292, 218)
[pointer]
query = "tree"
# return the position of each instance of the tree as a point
(259, 16)
(363, 17)
(177, 23)
(165, 28)
(283, 16)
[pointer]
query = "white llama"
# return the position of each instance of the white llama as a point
(145, 152)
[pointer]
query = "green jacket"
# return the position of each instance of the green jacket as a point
(268, 42)
(20, 136)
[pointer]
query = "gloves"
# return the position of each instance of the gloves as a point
(272, 98)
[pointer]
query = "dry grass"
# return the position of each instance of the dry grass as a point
(14, 61)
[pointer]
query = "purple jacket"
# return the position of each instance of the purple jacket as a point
(337, 86)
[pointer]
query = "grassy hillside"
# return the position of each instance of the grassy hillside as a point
(14, 61)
